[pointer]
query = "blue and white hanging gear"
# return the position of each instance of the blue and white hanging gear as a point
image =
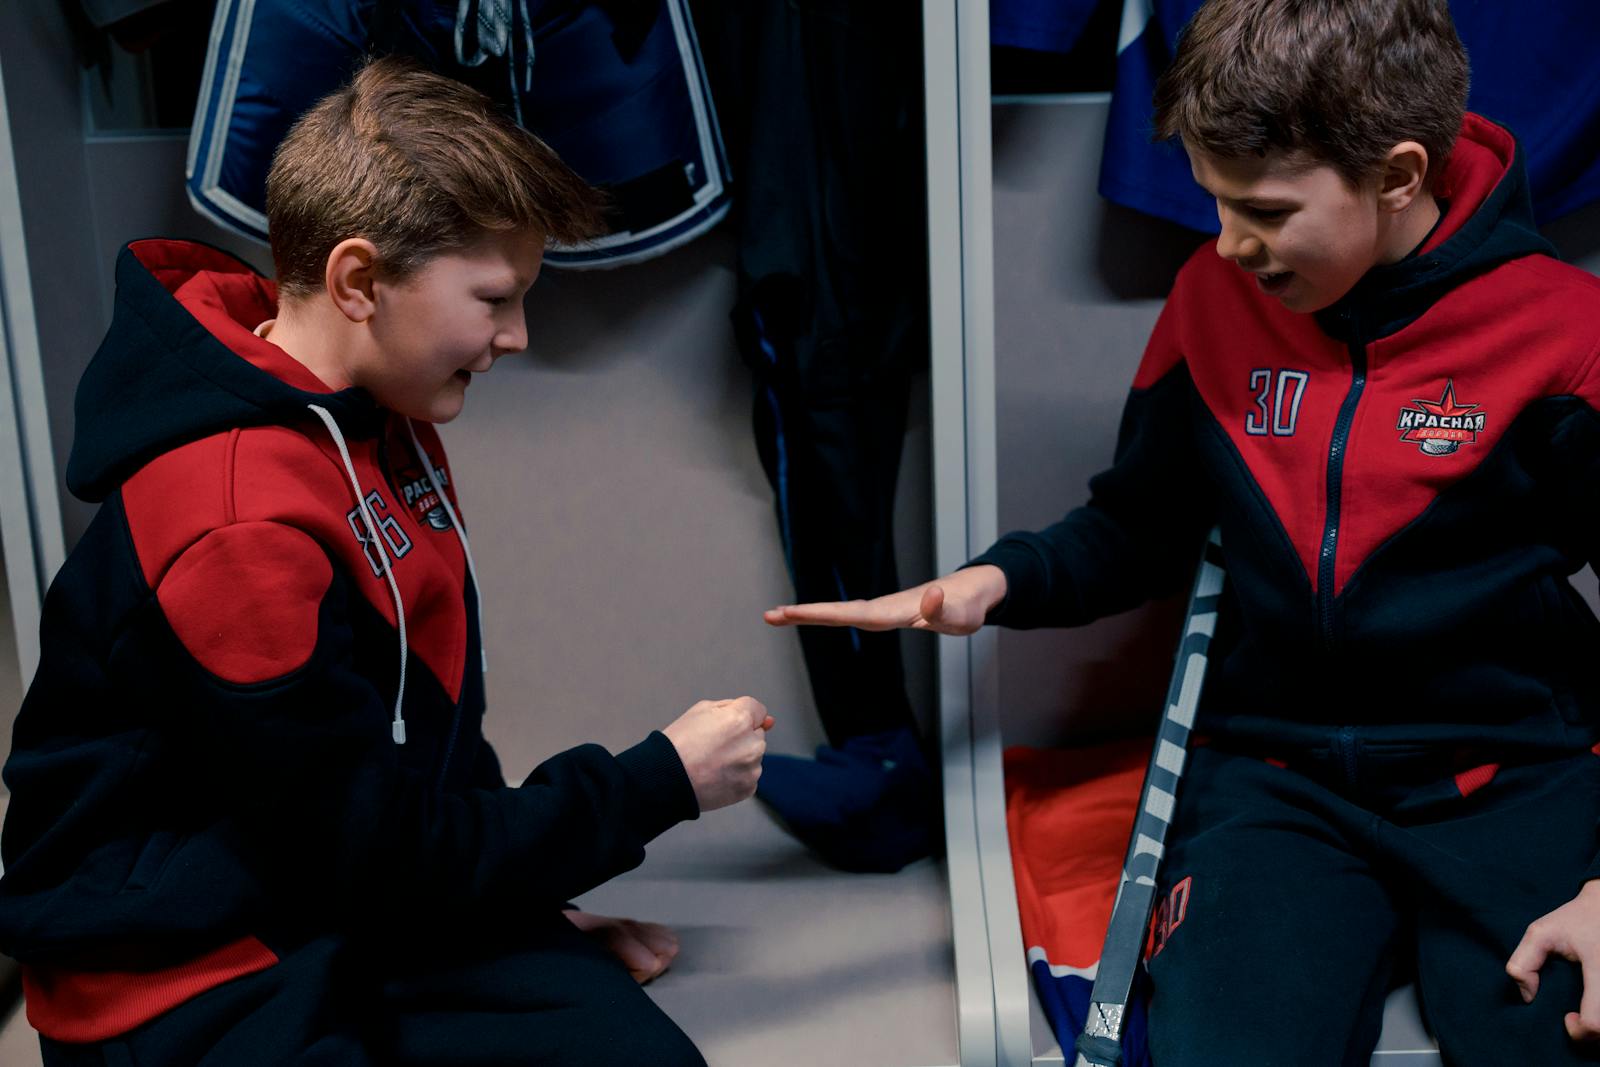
(1534, 75)
(1039, 25)
(617, 89)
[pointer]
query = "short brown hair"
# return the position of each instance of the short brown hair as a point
(1342, 80)
(418, 164)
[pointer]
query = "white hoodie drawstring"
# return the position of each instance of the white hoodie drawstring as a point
(399, 730)
(461, 535)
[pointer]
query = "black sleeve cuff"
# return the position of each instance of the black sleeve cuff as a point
(665, 794)
(1025, 580)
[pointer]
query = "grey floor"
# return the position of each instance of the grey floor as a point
(787, 962)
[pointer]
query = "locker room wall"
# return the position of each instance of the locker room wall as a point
(1078, 285)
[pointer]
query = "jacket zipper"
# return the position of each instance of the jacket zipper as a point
(1345, 742)
(1336, 454)
(1347, 750)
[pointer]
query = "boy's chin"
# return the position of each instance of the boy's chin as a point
(441, 413)
(1304, 303)
(1304, 298)
(437, 410)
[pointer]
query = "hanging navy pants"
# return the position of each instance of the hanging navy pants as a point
(1294, 895)
(822, 105)
(554, 998)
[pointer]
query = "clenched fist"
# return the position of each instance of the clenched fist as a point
(721, 743)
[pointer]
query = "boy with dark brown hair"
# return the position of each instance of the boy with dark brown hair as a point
(254, 819)
(1384, 389)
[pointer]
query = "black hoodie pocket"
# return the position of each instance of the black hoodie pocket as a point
(152, 860)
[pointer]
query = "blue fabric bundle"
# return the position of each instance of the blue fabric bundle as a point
(617, 89)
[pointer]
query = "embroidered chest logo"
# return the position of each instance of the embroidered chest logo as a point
(1440, 427)
(420, 497)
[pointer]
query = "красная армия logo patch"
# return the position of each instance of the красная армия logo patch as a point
(1441, 427)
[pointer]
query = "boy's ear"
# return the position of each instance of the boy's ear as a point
(349, 277)
(1404, 176)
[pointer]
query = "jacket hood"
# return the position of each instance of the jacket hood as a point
(1488, 220)
(180, 362)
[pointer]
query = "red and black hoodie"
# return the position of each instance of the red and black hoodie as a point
(257, 716)
(1405, 483)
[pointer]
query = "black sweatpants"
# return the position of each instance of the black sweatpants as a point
(557, 998)
(1294, 895)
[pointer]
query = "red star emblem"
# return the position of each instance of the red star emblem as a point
(1447, 404)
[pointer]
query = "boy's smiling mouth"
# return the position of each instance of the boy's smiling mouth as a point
(1273, 283)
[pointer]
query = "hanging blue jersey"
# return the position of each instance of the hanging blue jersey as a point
(1532, 74)
(1039, 25)
(617, 90)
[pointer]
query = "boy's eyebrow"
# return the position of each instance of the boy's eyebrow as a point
(1259, 200)
(1256, 200)
(508, 281)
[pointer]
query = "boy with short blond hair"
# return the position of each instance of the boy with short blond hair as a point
(1384, 389)
(254, 819)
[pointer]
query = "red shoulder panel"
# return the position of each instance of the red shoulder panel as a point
(175, 499)
(1273, 381)
(1493, 346)
(244, 599)
(281, 476)
(1164, 350)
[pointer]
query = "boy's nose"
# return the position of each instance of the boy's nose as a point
(512, 339)
(1237, 244)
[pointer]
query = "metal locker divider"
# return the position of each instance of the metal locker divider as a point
(30, 503)
(30, 515)
(992, 996)
(30, 511)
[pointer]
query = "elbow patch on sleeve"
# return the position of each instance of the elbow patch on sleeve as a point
(243, 600)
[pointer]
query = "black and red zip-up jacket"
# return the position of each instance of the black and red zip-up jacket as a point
(1405, 483)
(205, 772)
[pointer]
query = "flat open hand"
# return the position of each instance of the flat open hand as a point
(955, 604)
(646, 949)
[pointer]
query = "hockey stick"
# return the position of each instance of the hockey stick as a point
(1101, 1042)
